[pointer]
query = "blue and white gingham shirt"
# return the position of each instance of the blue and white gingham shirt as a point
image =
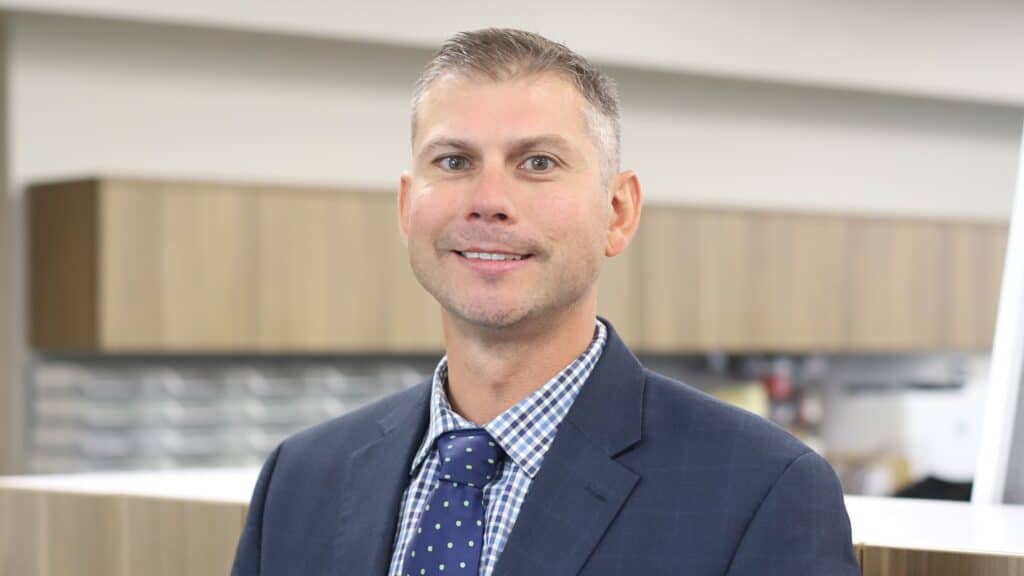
(524, 431)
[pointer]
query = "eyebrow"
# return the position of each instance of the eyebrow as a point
(544, 141)
(518, 146)
(445, 142)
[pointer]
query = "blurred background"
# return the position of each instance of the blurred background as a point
(200, 257)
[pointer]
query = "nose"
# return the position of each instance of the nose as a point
(489, 200)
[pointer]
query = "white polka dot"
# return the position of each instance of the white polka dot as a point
(451, 545)
(471, 544)
(458, 523)
(465, 503)
(445, 504)
(430, 548)
(413, 554)
(437, 526)
(440, 567)
(469, 466)
(479, 522)
(469, 449)
(462, 564)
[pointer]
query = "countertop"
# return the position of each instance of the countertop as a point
(884, 522)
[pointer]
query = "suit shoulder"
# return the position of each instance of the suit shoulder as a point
(692, 418)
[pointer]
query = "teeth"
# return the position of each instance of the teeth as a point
(490, 256)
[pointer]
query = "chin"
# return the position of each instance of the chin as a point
(490, 317)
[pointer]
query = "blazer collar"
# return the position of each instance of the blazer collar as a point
(609, 409)
(376, 479)
(581, 486)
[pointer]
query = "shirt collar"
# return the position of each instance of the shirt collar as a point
(526, 430)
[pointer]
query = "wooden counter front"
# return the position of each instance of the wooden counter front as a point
(159, 524)
(188, 522)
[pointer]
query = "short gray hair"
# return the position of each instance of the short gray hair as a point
(500, 54)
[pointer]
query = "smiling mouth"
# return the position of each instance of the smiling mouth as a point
(492, 256)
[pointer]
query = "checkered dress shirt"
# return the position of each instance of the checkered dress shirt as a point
(524, 431)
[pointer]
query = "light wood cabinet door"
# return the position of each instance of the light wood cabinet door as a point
(739, 281)
(797, 288)
(332, 275)
(668, 295)
(136, 266)
(896, 284)
(923, 285)
(176, 267)
(974, 261)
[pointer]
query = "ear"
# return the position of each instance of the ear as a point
(404, 185)
(626, 202)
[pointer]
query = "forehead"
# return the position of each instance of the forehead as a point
(485, 109)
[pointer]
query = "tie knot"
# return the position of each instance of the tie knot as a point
(469, 457)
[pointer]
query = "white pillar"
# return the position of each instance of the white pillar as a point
(999, 478)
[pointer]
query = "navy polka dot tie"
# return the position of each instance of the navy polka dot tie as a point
(450, 534)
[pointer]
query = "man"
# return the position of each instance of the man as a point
(541, 446)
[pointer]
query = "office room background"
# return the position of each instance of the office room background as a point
(199, 254)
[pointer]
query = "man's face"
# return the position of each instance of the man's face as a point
(505, 211)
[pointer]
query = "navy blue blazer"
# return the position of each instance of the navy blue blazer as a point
(646, 476)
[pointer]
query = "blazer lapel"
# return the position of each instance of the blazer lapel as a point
(581, 487)
(376, 479)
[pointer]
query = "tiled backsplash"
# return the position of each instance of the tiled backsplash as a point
(103, 413)
(106, 413)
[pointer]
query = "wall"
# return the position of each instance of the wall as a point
(752, 144)
(945, 48)
(94, 96)
(10, 342)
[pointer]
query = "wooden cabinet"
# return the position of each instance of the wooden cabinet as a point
(742, 281)
(896, 284)
(134, 266)
(797, 289)
(736, 281)
(189, 522)
(974, 264)
(49, 532)
(140, 266)
(923, 285)
(883, 561)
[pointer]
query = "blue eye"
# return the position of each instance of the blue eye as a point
(539, 163)
(454, 163)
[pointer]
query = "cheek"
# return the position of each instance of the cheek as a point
(426, 212)
(581, 225)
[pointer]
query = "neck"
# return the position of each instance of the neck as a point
(490, 371)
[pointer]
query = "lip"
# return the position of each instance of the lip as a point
(491, 267)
